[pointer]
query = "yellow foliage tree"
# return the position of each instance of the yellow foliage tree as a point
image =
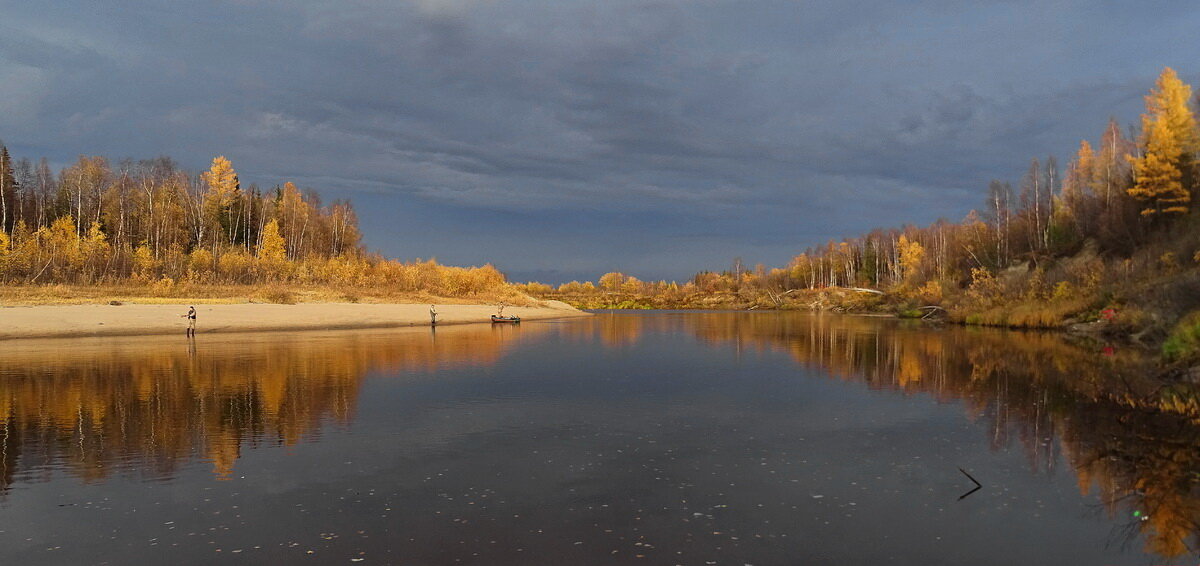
(1164, 173)
(200, 264)
(344, 269)
(221, 179)
(912, 253)
(234, 265)
(612, 281)
(1085, 162)
(143, 262)
(930, 293)
(1159, 179)
(1079, 179)
(25, 250)
(1168, 101)
(295, 215)
(272, 252)
(5, 244)
(223, 191)
(984, 287)
(632, 285)
(62, 242)
(95, 250)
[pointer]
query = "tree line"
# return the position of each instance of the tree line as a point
(1122, 209)
(149, 221)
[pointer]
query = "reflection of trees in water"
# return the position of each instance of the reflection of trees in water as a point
(98, 407)
(1031, 388)
(92, 407)
(1144, 467)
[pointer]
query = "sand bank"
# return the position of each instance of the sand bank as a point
(134, 319)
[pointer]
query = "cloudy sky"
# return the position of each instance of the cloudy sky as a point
(562, 139)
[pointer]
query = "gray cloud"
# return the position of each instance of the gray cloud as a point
(705, 127)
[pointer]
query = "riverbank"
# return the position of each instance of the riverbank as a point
(166, 292)
(61, 321)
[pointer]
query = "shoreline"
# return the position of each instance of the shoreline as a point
(73, 321)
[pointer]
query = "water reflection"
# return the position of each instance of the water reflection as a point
(92, 407)
(149, 406)
(1122, 434)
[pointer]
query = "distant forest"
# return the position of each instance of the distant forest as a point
(1069, 242)
(151, 223)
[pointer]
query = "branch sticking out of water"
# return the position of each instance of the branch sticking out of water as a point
(978, 485)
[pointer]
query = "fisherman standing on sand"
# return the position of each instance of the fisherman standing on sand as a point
(500, 311)
(432, 315)
(191, 316)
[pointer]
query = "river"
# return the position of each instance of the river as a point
(625, 438)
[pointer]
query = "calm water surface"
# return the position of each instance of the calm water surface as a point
(659, 438)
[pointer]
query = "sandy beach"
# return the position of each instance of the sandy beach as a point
(135, 319)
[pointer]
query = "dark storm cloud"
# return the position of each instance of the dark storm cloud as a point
(659, 137)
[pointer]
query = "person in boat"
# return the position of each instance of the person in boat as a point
(432, 315)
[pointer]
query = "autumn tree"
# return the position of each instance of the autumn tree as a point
(294, 216)
(1159, 177)
(632, 285)
(218, 204)
(81, 190)
(148, 219)
(1077, 185)
(5, 251)
(912, 253)
(272, 252)
(1165, 171)
(612, 281)
(343, 228)
(95, 249)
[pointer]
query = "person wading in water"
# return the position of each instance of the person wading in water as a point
(191, 316)
(432, 315)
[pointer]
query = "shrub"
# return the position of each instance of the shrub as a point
(279, 295)
(930, 293)
(234, 264)
(1088, 274)
(1063, 290)
(539, 289)
(984, 287)
(200, 265)
(1183, 344)
(1036, 290)
(163, 286)
(1169, 262)
(144, 263)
